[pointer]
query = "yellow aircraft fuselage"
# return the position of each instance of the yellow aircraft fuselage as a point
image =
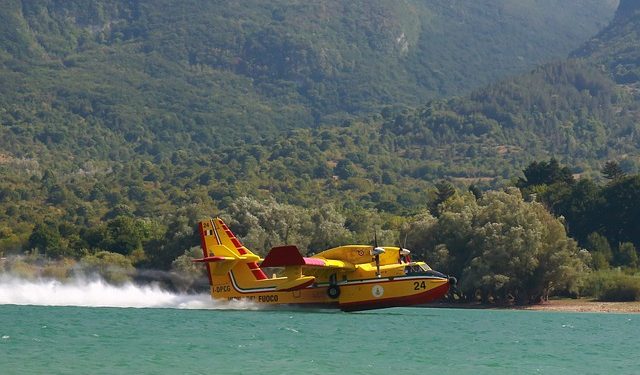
(346, 277)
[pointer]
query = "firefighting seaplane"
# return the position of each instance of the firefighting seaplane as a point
(351, 277)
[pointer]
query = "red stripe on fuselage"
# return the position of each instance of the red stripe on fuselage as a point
(258, 274)
(257, 271)
(301, 286)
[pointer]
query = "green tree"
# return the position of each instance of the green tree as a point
(627, 255)
(545, 173)
(185, 274)
(179, 236)
(444, 190)
(620, 214)
(580, 208)
(523, 250)
(124, 235)
(502, 247)
(475, 190)
(329, 229)
(112, 267)
(345, 169)
(421, 240)
(47, 240)
(265, 224)
(600, 249)
(612, 171)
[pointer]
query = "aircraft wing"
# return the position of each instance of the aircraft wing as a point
(287, 256)
(328, 263)
(290, 258)
(212, 259)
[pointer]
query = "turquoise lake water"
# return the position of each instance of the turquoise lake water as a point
(116, 340)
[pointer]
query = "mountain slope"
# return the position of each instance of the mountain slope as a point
(616, 47)
(144, 70)
(107, 112)
(584, 111)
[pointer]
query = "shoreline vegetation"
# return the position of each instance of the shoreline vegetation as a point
(505, 246)
(179, 283)
(581, 305)
(586, 305)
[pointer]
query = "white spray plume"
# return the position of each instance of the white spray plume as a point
(98, 293)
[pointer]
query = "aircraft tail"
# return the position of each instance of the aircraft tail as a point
(224, 253)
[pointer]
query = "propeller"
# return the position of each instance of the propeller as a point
(376, 251)
(403, 251)
(405, 254)
(453, 288)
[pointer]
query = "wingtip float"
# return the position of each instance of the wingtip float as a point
(351, 277)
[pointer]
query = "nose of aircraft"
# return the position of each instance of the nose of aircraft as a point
(452, 280)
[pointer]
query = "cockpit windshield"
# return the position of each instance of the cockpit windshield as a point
(425, 267)
(416, 268)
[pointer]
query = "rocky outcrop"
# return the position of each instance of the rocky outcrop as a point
(627, 8)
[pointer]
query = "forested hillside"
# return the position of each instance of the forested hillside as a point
(139, 72)
(106, 111)
(123, 123)
(583, 110)
(615, 47)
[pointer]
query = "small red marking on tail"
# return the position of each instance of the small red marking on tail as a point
(257, 271)
(253, 266)
(238, 245)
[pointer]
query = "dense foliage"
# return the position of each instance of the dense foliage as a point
(603, 218)
(501, 247)
(117, 134)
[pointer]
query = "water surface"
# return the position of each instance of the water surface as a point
(90, 340)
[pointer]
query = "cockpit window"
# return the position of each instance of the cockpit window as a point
(412, 269)
(425, 267)
(416, 268)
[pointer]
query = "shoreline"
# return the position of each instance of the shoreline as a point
(581, 305)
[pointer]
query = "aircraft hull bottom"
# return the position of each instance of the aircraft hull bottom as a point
(414, 299)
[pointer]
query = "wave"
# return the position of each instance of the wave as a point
(98, 293)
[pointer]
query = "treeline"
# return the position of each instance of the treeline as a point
(386, 161)
(504, 246)
(602, 218)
